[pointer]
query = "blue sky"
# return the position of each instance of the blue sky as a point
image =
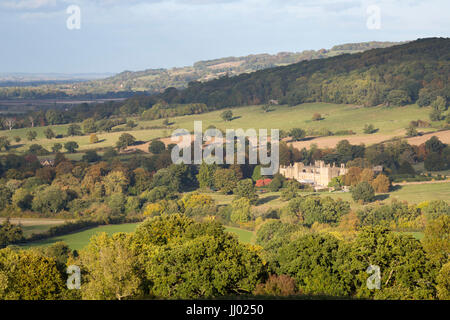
(117, 35)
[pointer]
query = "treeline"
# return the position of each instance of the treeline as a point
(413, 72)
(54, 92)
(211, 263)
(396, 157)
(106, 115)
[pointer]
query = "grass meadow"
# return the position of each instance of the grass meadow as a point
(79, 240)
(389, 121)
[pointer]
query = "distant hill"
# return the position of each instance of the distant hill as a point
(417, 71)
(157, 80)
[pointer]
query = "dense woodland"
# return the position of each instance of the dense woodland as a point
(414, 72)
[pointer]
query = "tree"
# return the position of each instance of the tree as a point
(435, 162)
(369, 129)
(256, 173)
(205, 175)
(74, 130)
(363, 191)
(404, 268)
(310, 260)
(110, 153)
(207, 266)
(277, 182)
(411, 132)
(91, 156)
(142, 180)
(71, 146)
(156, 147)
(241, 210)
(5, 196)
(398, 97)
(10, 123)
(336, 183)
(131, 124)
(290, 190)
(443, 282)
(436, 115)
(434, 145)
(297, 134)
(353, 176)
(276, 286)
(194, 201)
(436, 241)
(31, 135)
(4, 143)
(227, 115)
(115, 182)
(265, 107)
(176, 177)
(93, 138)
(381, 184)
(37, 149)
(89, 126)
(28, 275)
(366, 175)
(225, 180)
(22, 199)
(10, 234)
(57, 147)
(111, 268)
(246, 189)
(49, 199)
(439, 104)
(125, 140)
(49, 134)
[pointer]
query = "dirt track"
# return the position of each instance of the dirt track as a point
(33, 221)
(420, 182)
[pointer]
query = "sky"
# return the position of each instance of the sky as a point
(42, 36)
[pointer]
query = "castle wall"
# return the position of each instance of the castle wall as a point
(318, 174)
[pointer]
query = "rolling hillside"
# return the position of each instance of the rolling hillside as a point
(413, 72)
(157, 80)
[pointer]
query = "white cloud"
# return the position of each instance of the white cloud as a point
(29, 4)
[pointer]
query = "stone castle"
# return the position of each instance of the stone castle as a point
(318, 174)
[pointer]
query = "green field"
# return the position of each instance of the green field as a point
(390, 122)
(244, 236)
(79, 240)
(28, 230)
(422, 192)
(416, 235)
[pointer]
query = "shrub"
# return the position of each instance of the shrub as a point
(281, 285)
(363, 191)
